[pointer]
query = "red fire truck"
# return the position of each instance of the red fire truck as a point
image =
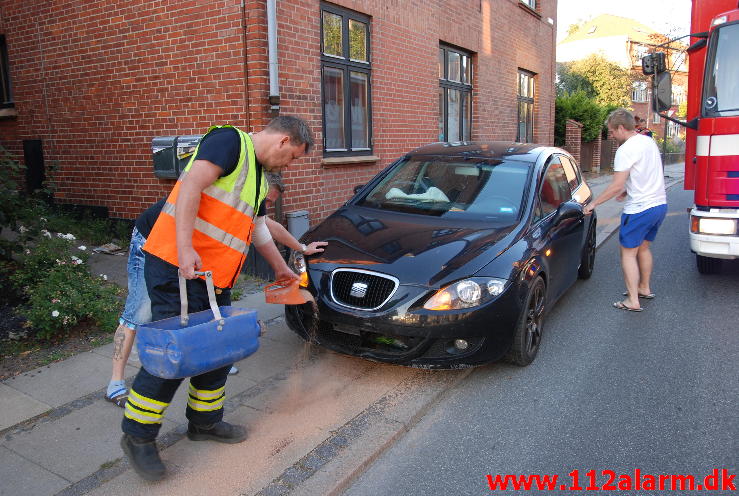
(712, 138)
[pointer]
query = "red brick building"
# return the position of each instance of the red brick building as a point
(87, 85)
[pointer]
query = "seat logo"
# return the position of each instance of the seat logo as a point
(359, 289)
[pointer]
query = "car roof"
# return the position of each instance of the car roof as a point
(509, 150)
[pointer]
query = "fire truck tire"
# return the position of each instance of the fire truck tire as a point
(708, 265)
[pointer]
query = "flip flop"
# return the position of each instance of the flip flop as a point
(649, 296)
(620, 305)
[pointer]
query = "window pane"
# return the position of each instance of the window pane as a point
(465, 69)
(466, 116)
(529, 122)
(441, 63)
(454, 107)
(357, 40)
(555, 189)
(359, 110)
(332, 40)
(442, 115)
(333, 107)
(454, 66)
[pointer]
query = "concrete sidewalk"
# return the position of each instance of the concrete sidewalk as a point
(315, 418)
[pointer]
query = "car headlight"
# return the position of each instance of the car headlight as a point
(466, 293)
(713, 225)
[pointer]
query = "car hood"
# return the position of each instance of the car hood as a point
(417, 249)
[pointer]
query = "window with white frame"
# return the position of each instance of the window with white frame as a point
(673, 129)
(639, 91)
(455, 94)
(529, 3)
(345, 81)
(678, 94)
(655, 118)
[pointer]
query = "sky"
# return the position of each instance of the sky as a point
(662, 15)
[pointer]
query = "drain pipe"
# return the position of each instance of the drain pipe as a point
(274, 85)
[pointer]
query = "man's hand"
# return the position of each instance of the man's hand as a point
(315, 247)
(621, 197)
(189, 262)
(588, 209)
(285, 274)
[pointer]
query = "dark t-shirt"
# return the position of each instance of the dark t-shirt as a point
(146, 220)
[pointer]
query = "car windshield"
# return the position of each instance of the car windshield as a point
(452, 187)
(722, 72)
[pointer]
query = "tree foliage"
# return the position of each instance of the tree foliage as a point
(580, 107)
(598, 78)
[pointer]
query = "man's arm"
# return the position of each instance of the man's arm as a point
(201, 175)
(264, 244)
(283, 236)
(616, 188)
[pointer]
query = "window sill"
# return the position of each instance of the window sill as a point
(363, 159)
(529, 9)
(8, 113)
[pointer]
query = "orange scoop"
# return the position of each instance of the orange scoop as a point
(285, 292)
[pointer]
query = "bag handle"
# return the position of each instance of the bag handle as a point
(184, 317)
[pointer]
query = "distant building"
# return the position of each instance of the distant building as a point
(624, 42)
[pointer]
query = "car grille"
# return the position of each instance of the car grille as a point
(361, 289)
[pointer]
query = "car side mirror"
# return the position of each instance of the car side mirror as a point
(357, 188)
(662, 91)
(568, 210)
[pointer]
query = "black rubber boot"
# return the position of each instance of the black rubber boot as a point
(144, 457)
(223, 432)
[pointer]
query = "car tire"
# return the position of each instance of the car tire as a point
(708, 265)
(587, 262)
(529, 328)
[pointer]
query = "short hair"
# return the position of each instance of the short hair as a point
(274, 179)
(295, 127)
(621, 117)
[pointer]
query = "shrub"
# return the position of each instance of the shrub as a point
(581, 108)
(12, 203)
(60, 290)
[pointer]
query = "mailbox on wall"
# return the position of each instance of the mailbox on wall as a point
(172, 153)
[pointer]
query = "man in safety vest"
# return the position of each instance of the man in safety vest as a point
(211, 217)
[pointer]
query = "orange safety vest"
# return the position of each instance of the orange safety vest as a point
(224, 222)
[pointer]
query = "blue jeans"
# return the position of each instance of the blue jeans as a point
(138, 305)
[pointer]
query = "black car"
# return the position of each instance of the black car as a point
(449, 257)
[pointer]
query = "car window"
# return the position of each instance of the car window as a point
(571, 172)
(453, 187)
(555, 188)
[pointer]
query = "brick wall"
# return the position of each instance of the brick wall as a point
(97, 81)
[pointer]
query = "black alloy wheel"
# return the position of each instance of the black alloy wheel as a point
(587, 262)
(528, 334)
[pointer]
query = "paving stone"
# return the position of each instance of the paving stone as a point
(62, 382)
(76, 445)
(255, 301)
(16, 407)
(20, 476)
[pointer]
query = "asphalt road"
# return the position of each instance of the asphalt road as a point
(610, 390)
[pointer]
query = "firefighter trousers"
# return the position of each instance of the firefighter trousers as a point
(150, 395)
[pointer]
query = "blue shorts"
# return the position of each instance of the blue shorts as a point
(138, 305)
(642, 226)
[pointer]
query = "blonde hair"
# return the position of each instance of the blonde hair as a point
(621, 117)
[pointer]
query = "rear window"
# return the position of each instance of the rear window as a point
(452, 187)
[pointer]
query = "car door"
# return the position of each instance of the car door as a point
(563, 236)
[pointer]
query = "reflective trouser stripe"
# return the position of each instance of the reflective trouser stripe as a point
(203, 400)
(142, 417)
(204, 394)
(200, 406)
(147, 403)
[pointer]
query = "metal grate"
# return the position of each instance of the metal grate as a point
(361, 289)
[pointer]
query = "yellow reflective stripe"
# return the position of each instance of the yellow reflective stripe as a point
(229, 198)
(221, 236)
(136, 417)
(147, 403)
(212, 231)
(205, 407)
(205, 394)
(246, 147)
